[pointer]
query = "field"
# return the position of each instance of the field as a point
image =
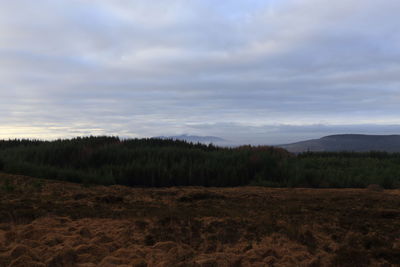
(54, 223)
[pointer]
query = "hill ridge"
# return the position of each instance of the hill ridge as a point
(347, 142)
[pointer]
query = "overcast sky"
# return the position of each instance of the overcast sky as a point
(271, 71)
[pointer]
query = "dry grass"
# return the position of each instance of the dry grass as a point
(51, 223)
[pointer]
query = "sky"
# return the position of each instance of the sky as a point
(251, 72)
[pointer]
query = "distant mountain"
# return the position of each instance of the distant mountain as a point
(348, 142)
(194, 138)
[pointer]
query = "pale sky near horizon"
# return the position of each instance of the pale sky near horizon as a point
(261, 72)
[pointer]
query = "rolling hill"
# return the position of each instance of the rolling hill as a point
(347, 142)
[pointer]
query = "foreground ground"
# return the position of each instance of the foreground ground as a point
(51, 223)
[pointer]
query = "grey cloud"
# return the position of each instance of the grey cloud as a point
(137, 68)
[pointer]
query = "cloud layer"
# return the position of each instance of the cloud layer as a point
(147, 68)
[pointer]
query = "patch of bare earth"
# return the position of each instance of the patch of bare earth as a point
(51, 223)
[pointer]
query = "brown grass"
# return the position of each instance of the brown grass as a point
(51, 223)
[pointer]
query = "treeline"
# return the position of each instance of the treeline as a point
(157, 162)
(345, 169)
(140, 162)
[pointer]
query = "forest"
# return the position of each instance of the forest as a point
(153, 162)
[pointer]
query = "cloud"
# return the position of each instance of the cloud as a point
(137, 68)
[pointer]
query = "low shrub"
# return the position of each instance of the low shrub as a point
(375, 188)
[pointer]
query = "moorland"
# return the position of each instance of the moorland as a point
(55, 223)
(104, 201)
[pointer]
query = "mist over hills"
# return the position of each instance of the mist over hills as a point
(347, 142)
(195, 138)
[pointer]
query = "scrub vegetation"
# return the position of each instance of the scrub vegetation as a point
(56, 223)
